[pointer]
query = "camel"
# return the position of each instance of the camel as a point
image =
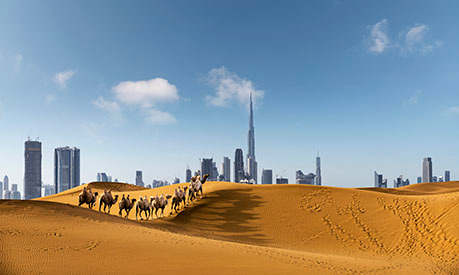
(143, 206)
(108, 200)
(196, 187)
(86, 196)
(126, 204)
(179, 197)
(160, 203)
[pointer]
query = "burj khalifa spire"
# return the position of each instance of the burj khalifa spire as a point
(251, 161)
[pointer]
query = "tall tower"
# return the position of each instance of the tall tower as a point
(238, 165)
(318, 174)
(427, 170)
(32, 169)
(251, 160)
(66, 168)
(226, 168)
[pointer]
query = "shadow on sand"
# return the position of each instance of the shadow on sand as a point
(224, 215)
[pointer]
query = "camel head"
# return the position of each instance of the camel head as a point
(151, 199)
(96, 194)
(133, 200)
(193, 179)
(168, 197)
(140, 198)
(185, 188)
(116, 198)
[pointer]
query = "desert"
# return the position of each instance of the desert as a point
(238, 228)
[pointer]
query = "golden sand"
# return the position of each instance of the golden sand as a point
(240, 229)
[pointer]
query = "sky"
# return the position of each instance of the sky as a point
(157, 85)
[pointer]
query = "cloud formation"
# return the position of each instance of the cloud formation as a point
(454, 110)
(229, 87)
(414, 99)
(379, 40)
(61, 78)
(146, 93)
(18, 61)
(144, 96)
(112, 107)
(410, 41)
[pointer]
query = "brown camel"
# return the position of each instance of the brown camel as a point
(160, 203)
(126, 204)
(108, 200)
(179, 197)
(196, 187)
(143, 206)
(87, 197)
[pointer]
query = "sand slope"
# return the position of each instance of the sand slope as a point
(240, 228)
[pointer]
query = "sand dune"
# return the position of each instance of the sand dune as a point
(243, 229)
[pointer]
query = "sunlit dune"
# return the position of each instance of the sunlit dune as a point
(240, 229)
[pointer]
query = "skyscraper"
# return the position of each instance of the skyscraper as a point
(281, 180)
(379, 181)
(15, 194)
(6, 181)
(251, 160)
(138, 178)
(66, 168)
(238, 165)
(267, 176)
(207, 167)
(32, 169)
(226, 169)
(447, 176)
(304, 179)
(427, 170)
(214, 175)
(318, 172)
(419, 180)
(1, 190)
(188, 175)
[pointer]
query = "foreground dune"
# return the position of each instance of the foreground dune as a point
(242, 229)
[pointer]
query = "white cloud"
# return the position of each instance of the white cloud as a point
(159, 117)
(414, 99)
(61, 78)
(415, 40)
(454, 110)
(50, 98)
(230, 87)
(146, 93)
(112, 107)
(379, 40)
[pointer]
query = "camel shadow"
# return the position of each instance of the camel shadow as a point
(224, 215)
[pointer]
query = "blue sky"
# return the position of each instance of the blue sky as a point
(155, 85)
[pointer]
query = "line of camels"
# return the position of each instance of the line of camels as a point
(143, 205)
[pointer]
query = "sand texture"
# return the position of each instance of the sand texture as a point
(239, 229)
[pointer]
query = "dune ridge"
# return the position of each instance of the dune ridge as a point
(245, 229)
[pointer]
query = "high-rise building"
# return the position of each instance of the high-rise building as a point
(1, 190)
(434, 179)
(188, 175)
(15, 194)
(32, 169)
(281, 180)
(399, 182)
(7, 195)
(48, 190)
(6, 181)
(267, 176)
(138, 178)
(238, 165)
(419, 180)
(66, 168)
(99, 177)
(447, 176)
(251, 160)
(427, 170)
(214, 175)
(207, 167)
(318, 171)
(304, 179)
(379, 181)
(226, 169)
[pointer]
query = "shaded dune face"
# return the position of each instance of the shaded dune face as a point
(244, 228)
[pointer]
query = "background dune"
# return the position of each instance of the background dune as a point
(239, 228)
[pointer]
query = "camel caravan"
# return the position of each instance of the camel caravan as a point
(145, 205)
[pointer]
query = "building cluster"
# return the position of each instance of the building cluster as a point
(427, 176)
(104, 177)
(311, 178)
(7, 193)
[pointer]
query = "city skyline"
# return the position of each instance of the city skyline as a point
(358, 91)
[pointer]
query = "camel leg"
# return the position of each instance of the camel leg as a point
(156, 212)
(110, 206)
(119, 213)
